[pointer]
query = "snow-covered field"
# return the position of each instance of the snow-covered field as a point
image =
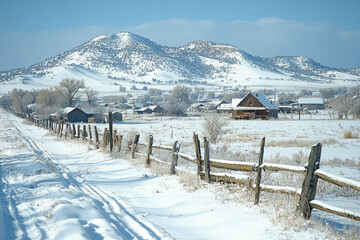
(52, 189)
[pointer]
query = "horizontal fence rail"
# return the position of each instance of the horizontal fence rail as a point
(112, 141)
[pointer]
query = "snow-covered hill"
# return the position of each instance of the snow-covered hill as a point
(132, 58)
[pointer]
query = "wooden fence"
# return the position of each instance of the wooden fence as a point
(112, 141)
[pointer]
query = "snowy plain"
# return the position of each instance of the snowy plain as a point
(52, 189)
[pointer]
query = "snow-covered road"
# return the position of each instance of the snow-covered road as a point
(52, 189)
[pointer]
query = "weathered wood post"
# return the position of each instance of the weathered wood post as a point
(197, 152)
(115, 141)
(175, 156)
(105, 138)
(97, 142)
(84, 134)
(134, 145)
(78, 131)
(66, 130)
(58, 128)
(149, 149)
(309, 185)
(90, 135)
(62, 128)
(258, 171)
(110, 131)
(119, 143)
(207, 160)
(73, 133)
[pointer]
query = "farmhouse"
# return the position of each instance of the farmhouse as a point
(255, 105)
(156, 109)
(311, 103)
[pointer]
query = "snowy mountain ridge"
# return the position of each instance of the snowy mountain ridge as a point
(128, 56)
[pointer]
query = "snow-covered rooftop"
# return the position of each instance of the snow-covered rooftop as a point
(311, 101)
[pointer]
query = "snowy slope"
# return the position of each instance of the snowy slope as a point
(129, 57)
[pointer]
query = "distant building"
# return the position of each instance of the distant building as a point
(92, 116)
(156, 109)
(116, 117)
(137, 106)
(144, 110)
(197, 107)
(70, 114)
(311, 103)
(255, 105)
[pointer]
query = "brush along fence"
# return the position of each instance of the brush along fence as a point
(112, 141)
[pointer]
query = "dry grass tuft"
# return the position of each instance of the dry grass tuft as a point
(349, 134)
(191, 182)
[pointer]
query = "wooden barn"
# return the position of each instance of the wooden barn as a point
(255, 105)
(74, 114)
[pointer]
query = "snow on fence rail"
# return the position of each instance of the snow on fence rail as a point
(112, 141)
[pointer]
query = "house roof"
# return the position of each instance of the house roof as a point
(235, 102)
(249, 108)
(195, 105)
(68, 109)
(143, 109)
(311, 101)
(153, 107)
(138, 105)
(217, 102)
(225, 106)
(264, 101)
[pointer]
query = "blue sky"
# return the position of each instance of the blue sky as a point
(327, 31)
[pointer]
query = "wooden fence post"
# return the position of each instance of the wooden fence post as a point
(110, 131)
(84, 134)
(115, 138)
(119, 143)
(175, 156)
(149, 149)
(258, 175)
(59, 128)
(197, 152)
(62, 128)
(97, 142)
(136, 141)
(78, 131)
(309, 185)
(66, 130)
(89, 130)
(73, 133)
(105, 139)
(207, 160)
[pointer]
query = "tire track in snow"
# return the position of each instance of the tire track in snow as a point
(126, 224)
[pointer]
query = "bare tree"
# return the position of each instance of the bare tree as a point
(48, 97)
(343, 105)
(90, 95)
(213, 127)
(175, 107)
(34, 94)
(355, 110)
(181, 93)
(69, 89)
(20, 99)
(6, 101)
